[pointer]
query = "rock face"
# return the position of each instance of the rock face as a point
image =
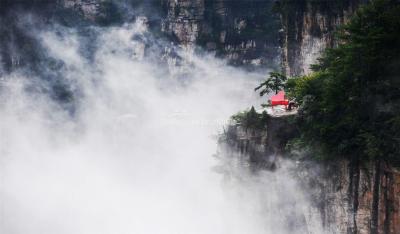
(18, 46)
(244, 32)
(90, 9)
(308, 28)
(184, 19)
(251, 33)
(262, 146)
(348, 196)
(355, 198)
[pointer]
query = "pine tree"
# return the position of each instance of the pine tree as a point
(275, 82)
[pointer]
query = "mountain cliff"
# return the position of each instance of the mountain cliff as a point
(353, 193)
(347, 196)
(254, 34)
(244, 32)
(350, 197)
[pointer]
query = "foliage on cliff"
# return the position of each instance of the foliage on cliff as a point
(275, 82)
(351, 103)
(251, 119)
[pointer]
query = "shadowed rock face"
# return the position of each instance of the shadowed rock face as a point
(355, 198)
(90, 9)
(249, 33)
(263, 146)
(244, 32)
(18, 48)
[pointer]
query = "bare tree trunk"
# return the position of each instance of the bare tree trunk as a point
(375, 198)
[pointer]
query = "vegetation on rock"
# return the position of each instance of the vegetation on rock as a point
(250, 119)
(350, 105)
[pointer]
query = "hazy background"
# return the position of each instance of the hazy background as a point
(129, 147)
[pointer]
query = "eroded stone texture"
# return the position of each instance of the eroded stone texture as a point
(90, 9)
(347, 196)
(262, 145)
(353, 191)
(184, 19)
(308, 28)
(244, 32)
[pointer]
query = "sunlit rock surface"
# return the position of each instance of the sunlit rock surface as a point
(307, 29)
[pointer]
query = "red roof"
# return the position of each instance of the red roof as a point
(279, 99)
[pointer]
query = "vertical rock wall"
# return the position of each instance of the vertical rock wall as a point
(308, 28)
(347, 196)
(247, 33)
(20, 18)
(356, 198)
(184, 20)
(244, 32)
(90, 9)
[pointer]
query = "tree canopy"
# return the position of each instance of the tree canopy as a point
(350, 104)
(275, 82)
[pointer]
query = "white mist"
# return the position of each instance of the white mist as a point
(136, 157)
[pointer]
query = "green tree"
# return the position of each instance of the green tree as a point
(275, 82)
(350, 105)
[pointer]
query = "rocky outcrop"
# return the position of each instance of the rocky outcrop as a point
(348, 196)
(308, 28)
(262, 145)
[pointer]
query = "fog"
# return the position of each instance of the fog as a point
(131, 151)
